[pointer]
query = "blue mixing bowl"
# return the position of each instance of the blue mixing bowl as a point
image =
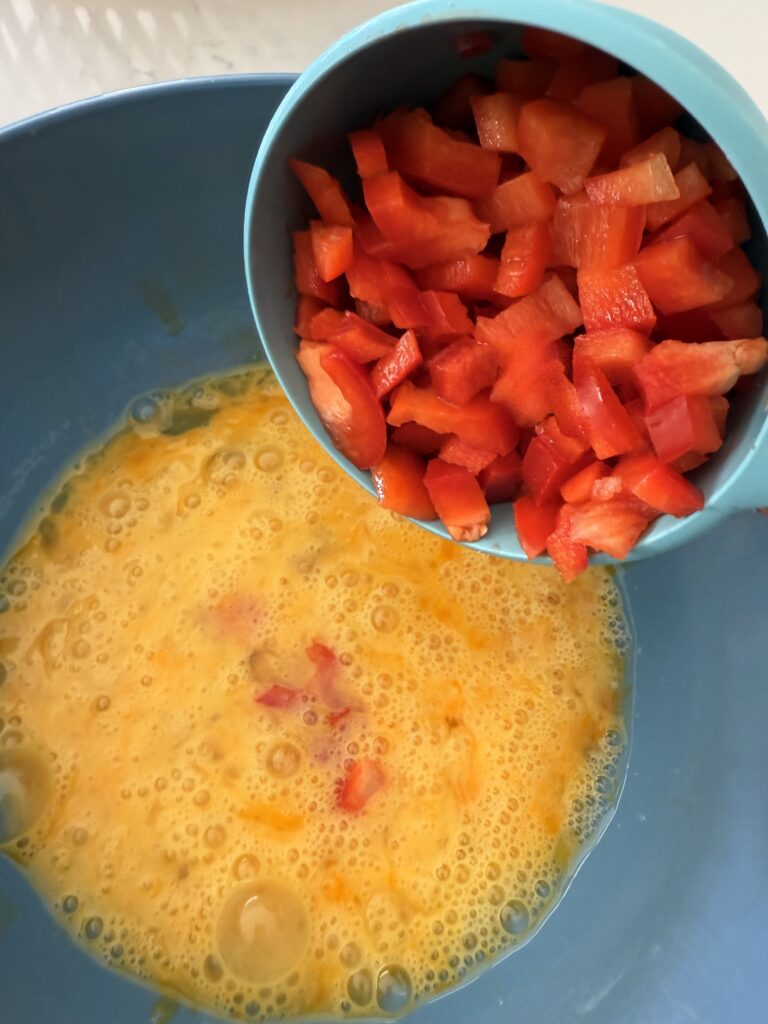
(409, 55)
(121, 272)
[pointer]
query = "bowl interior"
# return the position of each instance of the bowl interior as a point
(411, 60)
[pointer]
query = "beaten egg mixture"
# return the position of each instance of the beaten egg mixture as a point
(275, 749)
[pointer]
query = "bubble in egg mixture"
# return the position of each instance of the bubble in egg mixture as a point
(301, 758)
(262, 931)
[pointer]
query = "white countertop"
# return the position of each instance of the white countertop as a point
(56, 51)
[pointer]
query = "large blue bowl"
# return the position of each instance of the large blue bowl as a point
(121, 271)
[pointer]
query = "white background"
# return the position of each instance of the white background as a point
(56, 51)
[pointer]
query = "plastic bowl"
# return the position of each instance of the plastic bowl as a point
(410, 55)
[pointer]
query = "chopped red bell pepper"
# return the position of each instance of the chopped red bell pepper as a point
(324, 323)
(655, 108)
(746, 280)
(546, 314)
(325, 192)
(692, 187)
(666, 141)
(558, 143)
(528, 79)
(549, 460)
(363, 780)
(544, 44)
(501, 479)
(523, 260)
(480, 422)
(564, 401)
(420, 150)
(418, 438)
(523, 387)
(332, 248)
(496, 118)
(569, 556)
(342, 395)
(524, 199)
(534, 524)
(361, 341)
(454, 108)
(744, 320)
(578, 488)
(585, 235)
(678, 278)
(368, 151)
(659, 486)
(307, 307)
(398, 364)
(463, 369)
(611, 103)
(684, 424)
(398, 479)
(616, 353)
(704, 226)
(612, 526)
(306, 273)
(734, 214)
(649, 182)
(459, 453)
(573, 75)
(375, 281)
(675, 368)
(473, 277)
(282, 697)
(458, 499)
(614, 297)
(609, 426)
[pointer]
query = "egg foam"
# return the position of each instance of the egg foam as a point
(205, 635)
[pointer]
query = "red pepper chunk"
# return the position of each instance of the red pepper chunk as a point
(459, 453)
(616, 353)
(659, 486)
(609, 426)
(361, 341)
(573, 75)
(524, 199)
(332, 248)
(501, 479)
(394, 367)
(528, 79)
(458, 500)
(686, 424)
(550, 459)
(306, 273)
(496, 119)
(462, 370)
(615, 297)
(325, 192)
(692, 187)
(480, 422)
(523, 260)
(655, 108)
(277, 696)
(651, 181)
(534, 524)
(612, 526)
(678, 278)
(368, 151)
(398, 479)
(709, 368)
(666, 141)
(558, 143)
(704, 226)
(307, 307)
(472, 277)
(363, 780)
(611, 103)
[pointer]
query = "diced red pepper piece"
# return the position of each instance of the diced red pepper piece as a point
(677, 277)
(374, 280)
(363, 780)
(480, 422)
(578, 487)
(744, 320)
(307, 307)
(616, 353)
(378, 315)
(585, 235)
(398, 479)
(368, 151)
(454, 108)
(324, 323)
(569, 556)
(704, 226)
(426, 229)
(655, 108)
(574, 74)
(675, 368)
(501, 479)
(522, 200)
(463, 369)
(534, 524)
(649, 182)
(558, 143)
(612, 526)
(609, 426)
(282, 697)
(684, 424)
(528, 79)
(459, 453)
(659, 486)
(692, 187)
(666, 141)
(523, 260)
(458, 499)
(496, 119)
(473, 277)
(564, 401)
(418, 438)
(398, 364)
(548, 462)
(473, 44)
(306, 274)
(612, 104)
(693, 152)
(689, 326)
(720, 167)
(544, 44)
(546, 314)
(734, 213)
(325, 192)
(332, 248)
(447, 315)
(342, 395)
(419, 149)
(746, 280)
(719, 406)
(614, 297)
(361, 341)
(523, 388)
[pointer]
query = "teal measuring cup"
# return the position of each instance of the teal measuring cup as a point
(409, 55)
